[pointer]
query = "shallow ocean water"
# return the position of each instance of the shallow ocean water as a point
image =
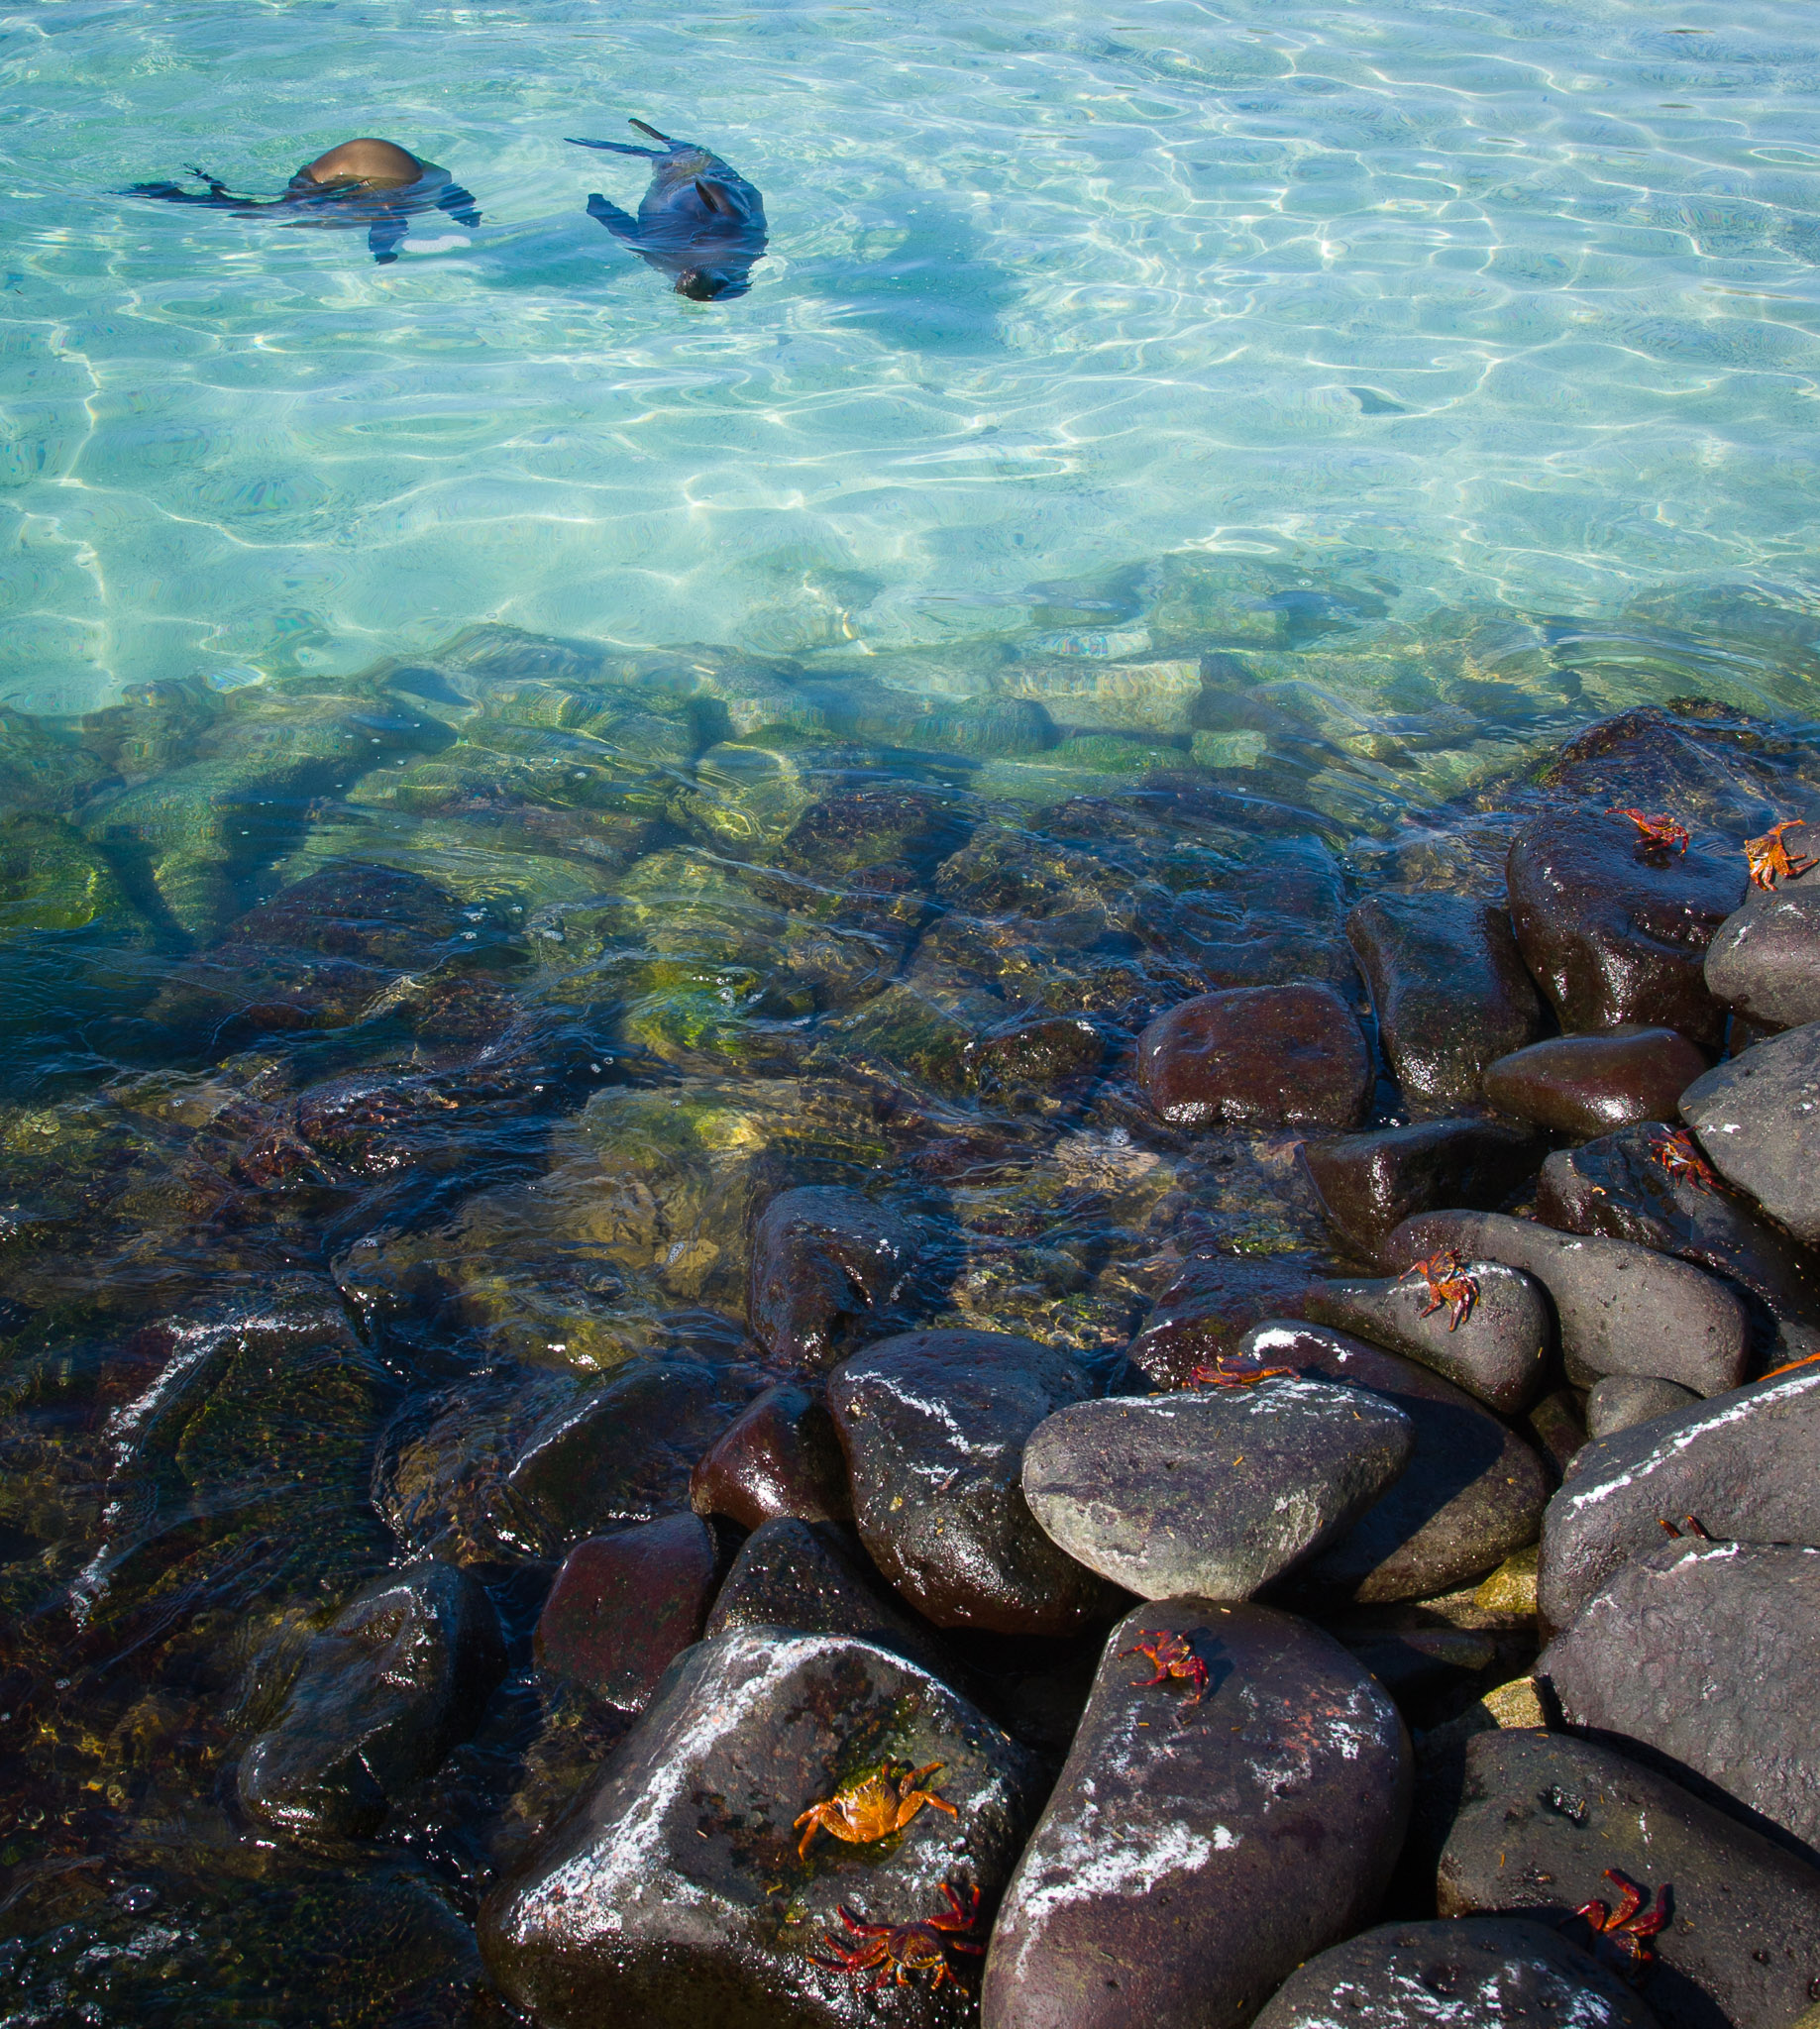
(1498, 306)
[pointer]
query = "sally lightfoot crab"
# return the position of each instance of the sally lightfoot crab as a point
(1676, 1152)
(1770, 861)
(1657, 837)
(1621, 1936)
(885, 1949)
(1172, 1657)
(1451, 1288)
(1229, 1371)
(872, 1806)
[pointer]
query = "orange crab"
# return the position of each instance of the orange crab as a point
(1621, 1936)
(1172, 1657)
(872, 1806)
(1228, 1372)
(905, 1948)
(1769, 860)
(1451, 1288)
(1691, 1524)
(1676, 1152)
(1654, 835)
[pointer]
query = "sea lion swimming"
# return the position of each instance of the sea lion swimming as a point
(700, 221)
(368, 182)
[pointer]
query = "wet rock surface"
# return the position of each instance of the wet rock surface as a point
(779, 1457)
(385, 1692)
(1758, 1119)
(1614, 935)
(1544, 1816)
(1471, 1493)
(1487, 1969)
(1497, 1351)
(676, 1893)
(1450, 988)
(1207, 1309)
(1761, 961)
(1369, 1184)
(1741, 1465)
(1731, 1617)
(933, 1425)
(1262, 1056)
(1192, 1854)
(826, 1266)
(1620, 1309)
(1213, 1492)
(1585, 1085)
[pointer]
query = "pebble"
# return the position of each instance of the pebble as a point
(1699, 1653)
(933, 1425)
(1213, 1492)
(1741, 1465)
(1614, 937)
(394, 1681)
(1498, 1352)
(1587, 1085)
(1197, 1850)
(1492, 1972)
(1620, 1309)
(779, 1457)
(825, 1263)
(1542, 1817)
(624, 1606)
(1471, 1493)
(1622, 1401)
(1368, 1184)
(1450, 988)
(1764, 961)
(675, 1896)
(1757, 1118)
(1257, 1057)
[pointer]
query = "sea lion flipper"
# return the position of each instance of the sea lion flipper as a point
(643, 128)
(715, 198)
(385, 237)
(620, 223)
(459, 206)
(648, 155)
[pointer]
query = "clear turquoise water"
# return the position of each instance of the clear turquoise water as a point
(1508, 305)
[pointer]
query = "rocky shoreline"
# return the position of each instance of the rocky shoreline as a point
(666, 1363)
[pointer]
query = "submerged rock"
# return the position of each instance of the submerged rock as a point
(1369, 1183)
(781, 1455)
(1728, 1618)
(1257, 1057)
(1585, 1085)
(826, 1266)
(1196, 1848)
(1544, 1816)
(675, 1894)
(933, 1425)
(1450, 988)
(1494, 1972)
(386, 1691)
(1210, 1492)
(1758, 1118)
(1614, 935)
(1741, 1465)
(624, 1606)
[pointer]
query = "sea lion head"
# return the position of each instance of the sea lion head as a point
(711, 284)
(363, 161)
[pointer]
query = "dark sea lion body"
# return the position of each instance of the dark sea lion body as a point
(367, 182)
(700, 221)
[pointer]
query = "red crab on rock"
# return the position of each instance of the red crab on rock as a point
(1654, 835)
(1451, 1288)
(1621, 1936)
(1676, 1152)
(1228, 1372)
(1172, 1657)
(1768, 859)
(885, 1949)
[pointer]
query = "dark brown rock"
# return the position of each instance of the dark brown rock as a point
(1451, 992)
(933, 1425)
(779, 1457)
(1210, 1306)
(1257, 1057)
(1369, 1183)
(1584, 1085)
(1613, 935)
(1192, 1855)
(624, 1606)
(1499, 1351)
(1471, 1493)
(826, 1263)
(1620, 1309)
(1543, 1816)
(1038, 1056)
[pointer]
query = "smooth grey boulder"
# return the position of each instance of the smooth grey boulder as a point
(1543, 1815)
(1744, 1465)
(1498, 1352)
(394, 1681)
(1211, 1492)
(1482, 1972)
(1758, 1118)
(1195, 1851)
(1764, 961)
(1471, 1493)
(1620, 1309)
(1700, 1653)
(1622, 1401)
(676, 1895)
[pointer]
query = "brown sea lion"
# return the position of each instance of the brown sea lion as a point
(367, 182)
